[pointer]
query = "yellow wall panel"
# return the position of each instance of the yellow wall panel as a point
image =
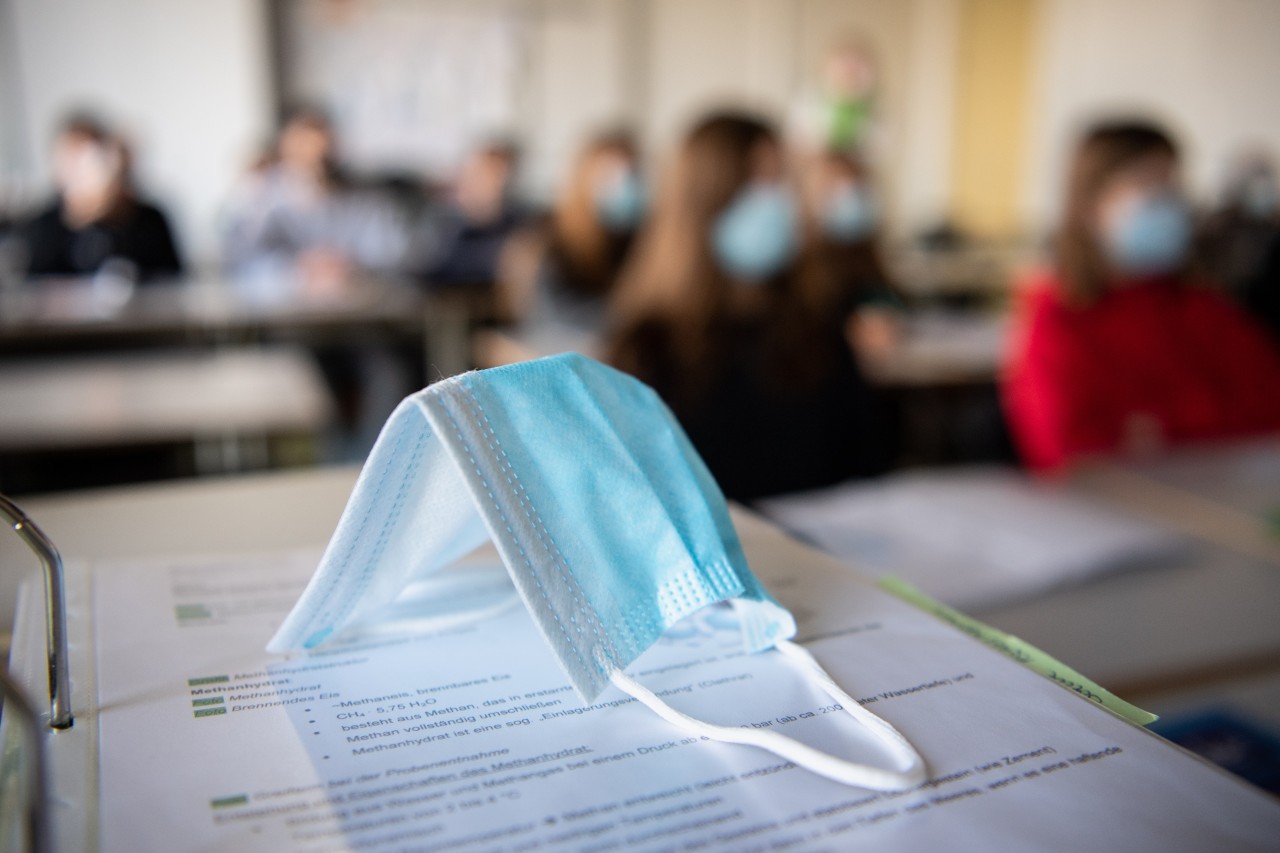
(993, 82)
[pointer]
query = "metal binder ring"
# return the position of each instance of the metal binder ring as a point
(36, 815)
(55, 611)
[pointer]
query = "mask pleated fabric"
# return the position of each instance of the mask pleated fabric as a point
(608, 522)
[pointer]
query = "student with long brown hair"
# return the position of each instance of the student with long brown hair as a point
(567, 266)
(846, 221)
(724, 311)
(1117, 350)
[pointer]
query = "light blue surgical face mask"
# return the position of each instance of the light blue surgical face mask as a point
(620, 201)
(754, 238)
(1152, 237)
(608, 522)
(850, 214)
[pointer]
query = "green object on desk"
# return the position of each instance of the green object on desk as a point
(1021, 651)
(1273, 521)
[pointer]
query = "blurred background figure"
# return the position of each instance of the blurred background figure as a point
(727, 315)
(1117, 350)
(841, 114)
(466, 236)
(564, 270)
(298, 227)
(297, 221)
(1241, 238)
(845, 208)
(97, 218)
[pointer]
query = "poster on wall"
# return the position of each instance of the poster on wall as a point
(411, 84)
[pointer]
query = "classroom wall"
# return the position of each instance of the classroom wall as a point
(767, 54)
(584, 66)
(187, 80)
(992, 105)
(190, 79)
(12, 161)
(1210, 68)
(587, 63)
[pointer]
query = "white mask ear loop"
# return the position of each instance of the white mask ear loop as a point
(816, 761)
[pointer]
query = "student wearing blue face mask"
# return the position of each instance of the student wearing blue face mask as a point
(564, 269)
(727, 312)
(846, 216)
(1117, 350)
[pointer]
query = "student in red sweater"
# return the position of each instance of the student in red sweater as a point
(1116, 350)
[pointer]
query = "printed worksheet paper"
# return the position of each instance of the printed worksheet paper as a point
(443, 731)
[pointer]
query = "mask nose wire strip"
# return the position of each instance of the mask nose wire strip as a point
(802, 755)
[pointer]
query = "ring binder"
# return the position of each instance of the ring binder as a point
(55, 611)
(36, 817)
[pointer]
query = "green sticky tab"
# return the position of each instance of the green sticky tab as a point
(208, 679)
(1273, 521)
(210, 712)
(211, 700)
(188, 612)
(228, 802)
(1021, 651)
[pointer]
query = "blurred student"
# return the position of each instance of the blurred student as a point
(846, 213)
(97, 218)
(566, 269)
(841, 114)
(727, 316)
(298, 228)
(295, 221)
(469, 234)
(1117, 350)
(1241, 239)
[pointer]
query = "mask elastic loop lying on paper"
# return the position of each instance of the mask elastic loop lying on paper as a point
(802, 755)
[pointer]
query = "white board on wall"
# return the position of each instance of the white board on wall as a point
(411, 85)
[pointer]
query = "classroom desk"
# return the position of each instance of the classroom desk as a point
(975, 273)
(1236, 486)
(1180, 633)
(943, 349)
(941, 372)
(937, 348)
(236, 516)
(1194, 626)
(1186, 629)
(1226, 597)
(55, 315)
(100, 310)
(499, 346)
(254, 512)
(149, 397)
